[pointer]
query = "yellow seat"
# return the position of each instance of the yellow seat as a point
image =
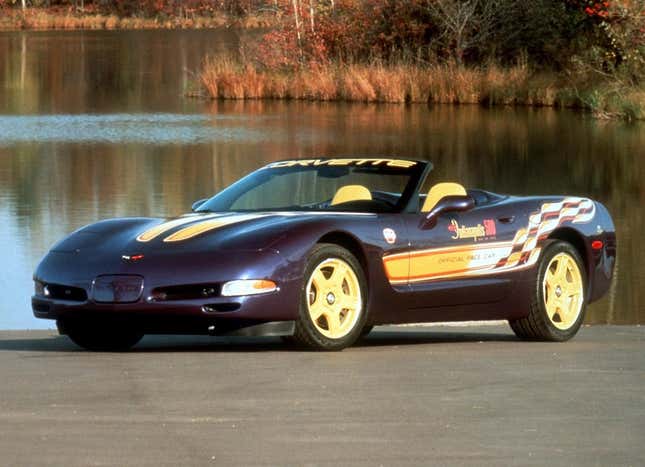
(351, 193)
(439, 191)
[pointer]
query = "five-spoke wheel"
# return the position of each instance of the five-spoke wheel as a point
(334, 298)
(558, 305)
(563, 291)
(332, 312)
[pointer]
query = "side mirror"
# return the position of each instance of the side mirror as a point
(197, 204)
(447, 204)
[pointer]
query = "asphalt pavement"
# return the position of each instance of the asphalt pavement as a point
(404, 396)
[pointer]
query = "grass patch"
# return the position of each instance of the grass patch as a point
(46, 19)
(404, 83)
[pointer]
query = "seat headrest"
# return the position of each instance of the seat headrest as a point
(351, 193)
(440, 190)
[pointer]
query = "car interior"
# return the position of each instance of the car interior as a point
(360, 198)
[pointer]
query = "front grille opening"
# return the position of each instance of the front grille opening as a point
(185, 292)
(65, 292)
(221, 307)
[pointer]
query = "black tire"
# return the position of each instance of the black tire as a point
(366, 330)
(306, 333)
(101, 336)
(537, 325)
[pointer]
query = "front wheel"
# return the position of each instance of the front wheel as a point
(333, 299)
(558, 305)
(101, 336)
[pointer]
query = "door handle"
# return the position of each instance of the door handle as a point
(506, 219)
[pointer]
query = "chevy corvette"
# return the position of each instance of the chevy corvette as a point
(321, 250)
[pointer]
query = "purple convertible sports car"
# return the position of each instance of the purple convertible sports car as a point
(322, 250)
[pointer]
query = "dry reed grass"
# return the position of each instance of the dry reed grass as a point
(226, 78)
(41, 18)
(405, 83)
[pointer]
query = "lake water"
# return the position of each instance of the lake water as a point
(94, 125)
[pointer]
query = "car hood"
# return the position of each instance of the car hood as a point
(192, 232)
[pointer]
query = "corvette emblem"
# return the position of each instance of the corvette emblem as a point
(132, 258)
(389, 235)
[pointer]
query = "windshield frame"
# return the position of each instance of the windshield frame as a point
(416, 170)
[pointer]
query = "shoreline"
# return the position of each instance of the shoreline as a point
(44, 19)
(489, 86)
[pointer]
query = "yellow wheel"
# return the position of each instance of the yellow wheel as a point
(332, 313)
(556, 311)
(334, 298)
(562, 291)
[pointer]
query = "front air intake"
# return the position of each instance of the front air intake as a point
(185, 292)
(65, 292)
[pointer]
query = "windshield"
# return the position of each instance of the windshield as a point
(358, 185)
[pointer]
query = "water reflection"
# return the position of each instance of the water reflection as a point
(103, 71)
(121, 129)
(149, 158)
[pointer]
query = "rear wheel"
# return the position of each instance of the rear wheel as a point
(558, 306)
(101, 336)
(332, 305)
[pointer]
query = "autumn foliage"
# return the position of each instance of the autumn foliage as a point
(573, 53)
(369, 49)
(549, 33)
(319, 32)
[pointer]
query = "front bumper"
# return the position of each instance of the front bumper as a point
(179, 316)
(74, 294)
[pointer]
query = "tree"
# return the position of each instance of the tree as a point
(463, 25)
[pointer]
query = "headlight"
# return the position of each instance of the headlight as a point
(247, 287)
(40, 289)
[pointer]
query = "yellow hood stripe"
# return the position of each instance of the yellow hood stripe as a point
(211, 224)
(164, 227)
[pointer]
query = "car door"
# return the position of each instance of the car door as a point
(452, 260)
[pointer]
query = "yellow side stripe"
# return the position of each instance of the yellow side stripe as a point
(483, 258)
